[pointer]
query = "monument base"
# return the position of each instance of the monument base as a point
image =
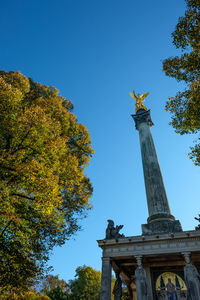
(161, 226)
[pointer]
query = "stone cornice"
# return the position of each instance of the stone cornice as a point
(165, 243)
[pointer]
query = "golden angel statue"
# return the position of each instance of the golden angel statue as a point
(139, 100)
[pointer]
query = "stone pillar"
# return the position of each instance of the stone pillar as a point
(105, 293)
(160, 219)
(141, 280)
(192, 278)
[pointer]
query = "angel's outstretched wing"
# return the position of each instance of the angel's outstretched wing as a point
(144, 95)
(133, 95)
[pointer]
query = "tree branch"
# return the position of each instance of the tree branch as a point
(23, 196)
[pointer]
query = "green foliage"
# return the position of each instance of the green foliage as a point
(86, 285)
(185, 106)
(58, 294)
(55, 288)
(30, 295)
(43, 188)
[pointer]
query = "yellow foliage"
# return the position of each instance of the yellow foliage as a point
(43, 154)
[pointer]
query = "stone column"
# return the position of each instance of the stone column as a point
(157, 201)
(192, 278)
(105, 293)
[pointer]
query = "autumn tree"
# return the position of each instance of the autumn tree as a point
(55, 288)
(43, 188)
(185, 105)
(58, 294)
(86, 285)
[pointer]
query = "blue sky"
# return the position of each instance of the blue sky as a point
(95, 52)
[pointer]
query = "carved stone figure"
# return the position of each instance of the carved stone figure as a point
(117, 290)
(141, 283)
(139, 100)
(192, 280)
(112, 232)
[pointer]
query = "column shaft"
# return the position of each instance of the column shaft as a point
(160, 219)
(105, 293)
(155, 190)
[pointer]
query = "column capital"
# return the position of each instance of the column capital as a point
(187, 256)
(105, 259)
(142, 116)
(139, 260)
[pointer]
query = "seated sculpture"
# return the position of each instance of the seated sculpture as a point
(112, 232)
